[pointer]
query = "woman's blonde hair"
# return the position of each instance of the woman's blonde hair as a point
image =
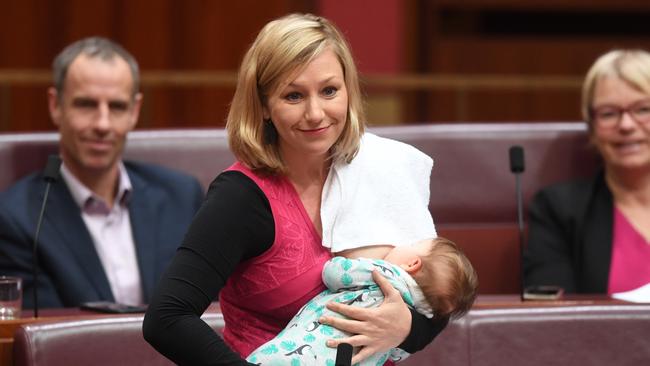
(283, 47)
(630, 66)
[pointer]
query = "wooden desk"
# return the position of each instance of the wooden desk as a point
(514, 301)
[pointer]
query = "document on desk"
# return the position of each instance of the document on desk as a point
(641, 294)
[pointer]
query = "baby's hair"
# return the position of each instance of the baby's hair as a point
(447, 279)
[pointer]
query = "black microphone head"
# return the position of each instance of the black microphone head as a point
(516, 159)
(343, 355)
(51, 172)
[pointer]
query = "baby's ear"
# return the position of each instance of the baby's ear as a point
(413, 265)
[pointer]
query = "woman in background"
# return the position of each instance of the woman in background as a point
(593, 236)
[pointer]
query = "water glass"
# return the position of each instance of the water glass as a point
(11, 297)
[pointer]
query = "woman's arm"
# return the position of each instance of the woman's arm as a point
(234, 223)
(390, 325)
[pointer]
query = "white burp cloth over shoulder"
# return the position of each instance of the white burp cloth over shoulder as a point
(381, 197)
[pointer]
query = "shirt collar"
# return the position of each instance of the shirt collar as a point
(82, 195)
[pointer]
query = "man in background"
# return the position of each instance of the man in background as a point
(111, 226)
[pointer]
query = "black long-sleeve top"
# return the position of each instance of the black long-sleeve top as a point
(235, 223)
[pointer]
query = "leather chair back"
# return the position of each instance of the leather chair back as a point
(98, 341)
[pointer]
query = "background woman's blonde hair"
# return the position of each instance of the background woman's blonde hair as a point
(631, 66)
(282, 48)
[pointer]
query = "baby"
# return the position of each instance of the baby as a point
(433, 276)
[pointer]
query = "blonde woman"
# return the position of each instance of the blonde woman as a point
(593, 236)
(256, 242)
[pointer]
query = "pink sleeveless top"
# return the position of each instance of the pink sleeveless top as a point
(265, 292)
(630, 268)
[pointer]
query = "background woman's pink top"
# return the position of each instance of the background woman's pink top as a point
(630, 266)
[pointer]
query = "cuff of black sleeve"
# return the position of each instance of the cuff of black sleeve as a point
(423, 331)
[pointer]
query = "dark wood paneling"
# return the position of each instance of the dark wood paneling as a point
(441, 38)
(536, 38)
(164, 35)
(505, 105)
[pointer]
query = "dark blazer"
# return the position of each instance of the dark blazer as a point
(570, 236)
(161, 208)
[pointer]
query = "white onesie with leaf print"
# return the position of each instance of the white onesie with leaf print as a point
(349, 281)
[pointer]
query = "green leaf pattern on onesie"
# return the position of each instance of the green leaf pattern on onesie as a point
(349, 281)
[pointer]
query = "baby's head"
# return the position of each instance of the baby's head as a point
(443, 272)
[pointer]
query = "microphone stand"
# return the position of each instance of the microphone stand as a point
(520, 221)
(517, 167)
(50, 175)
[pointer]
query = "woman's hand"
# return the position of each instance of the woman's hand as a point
(374, 330)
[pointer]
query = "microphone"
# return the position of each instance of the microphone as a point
(517, 167)
(50, 175)
(343, 355)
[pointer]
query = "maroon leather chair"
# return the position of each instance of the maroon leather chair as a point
(532, 334)
(573, 335)
(472, 188)
(473, 191)
(543, 335)
(202, 153)
(109, 341)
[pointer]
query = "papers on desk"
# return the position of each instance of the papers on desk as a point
(641, 294)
